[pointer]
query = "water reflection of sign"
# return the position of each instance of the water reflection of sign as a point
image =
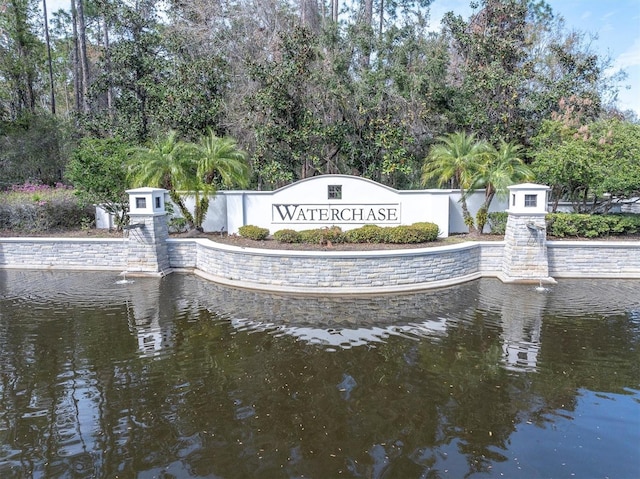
(385, 213)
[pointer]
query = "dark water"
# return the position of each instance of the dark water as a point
(181, 378)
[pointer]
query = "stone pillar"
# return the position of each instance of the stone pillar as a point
(148, 233)
(525, 253)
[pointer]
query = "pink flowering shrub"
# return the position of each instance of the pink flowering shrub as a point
(38, 207)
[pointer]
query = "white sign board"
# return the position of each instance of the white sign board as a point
(336, 200)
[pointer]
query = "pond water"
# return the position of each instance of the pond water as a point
(182, 378)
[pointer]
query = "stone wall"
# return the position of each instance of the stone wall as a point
(326, 272)
(147, 246)
(344, 272)
(594, 259)
(63, 253)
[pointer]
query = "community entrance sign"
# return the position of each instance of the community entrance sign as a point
(336, 200)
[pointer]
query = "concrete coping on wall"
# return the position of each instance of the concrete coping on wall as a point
(590, 244)
(382, 253)
(39, 239)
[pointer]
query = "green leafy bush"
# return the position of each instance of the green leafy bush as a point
(253, 232)
(562, 225)
(429, 230)
(322, 235)
(498, 222)
(287, 236)
(416, 233)
(36, 207)
(366, 234)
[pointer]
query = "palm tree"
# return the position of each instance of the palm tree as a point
(195, 169)
(502, 167)
(170, 164)
(455, 161)
(220, 163)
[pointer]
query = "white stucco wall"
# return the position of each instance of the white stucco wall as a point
(305, 205)
(474, 201)
(229, 210)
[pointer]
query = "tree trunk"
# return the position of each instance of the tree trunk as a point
(107, 61)
(309, 15)
(52, 92)
(367, 31)
(84, 61)
(468, 219)
(77, 75)
(177, 199)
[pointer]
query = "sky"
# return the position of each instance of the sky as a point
(616, 23)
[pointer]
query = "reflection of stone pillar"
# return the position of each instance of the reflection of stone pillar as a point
(152, 333)
(148, 233)
(525, 253)
(521, 312)
(521, 326)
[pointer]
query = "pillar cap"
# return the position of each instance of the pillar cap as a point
(146, 201)
(528, 198)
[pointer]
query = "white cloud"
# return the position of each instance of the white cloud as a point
(630, 57)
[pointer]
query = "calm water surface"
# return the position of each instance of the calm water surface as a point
(181, 378)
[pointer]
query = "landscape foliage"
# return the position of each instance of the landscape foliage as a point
(33, 207)
(422, 232)
(301, 88)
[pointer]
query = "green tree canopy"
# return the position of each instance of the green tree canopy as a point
(98, 171)
(584, 163)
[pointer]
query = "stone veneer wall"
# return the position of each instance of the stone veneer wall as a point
(594, 259)
(338, 272)
(327, 272)
(63, 253)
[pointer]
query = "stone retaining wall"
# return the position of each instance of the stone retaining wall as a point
(594, 259)
(343, 272)
(63, 253)
(314, 272)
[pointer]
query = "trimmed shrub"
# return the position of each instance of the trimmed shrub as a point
(422, 232)
(411, 234)
(430, 230)
(287, 236)
(366, 234)
(581, 225)
(498, 222)
(322, 235)
(253, 232)
(626, 224)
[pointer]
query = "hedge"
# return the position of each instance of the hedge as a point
(38, 208)
(580, 225)
(412, 234)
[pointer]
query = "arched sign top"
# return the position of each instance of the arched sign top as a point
(340, 200)
(328, 179)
